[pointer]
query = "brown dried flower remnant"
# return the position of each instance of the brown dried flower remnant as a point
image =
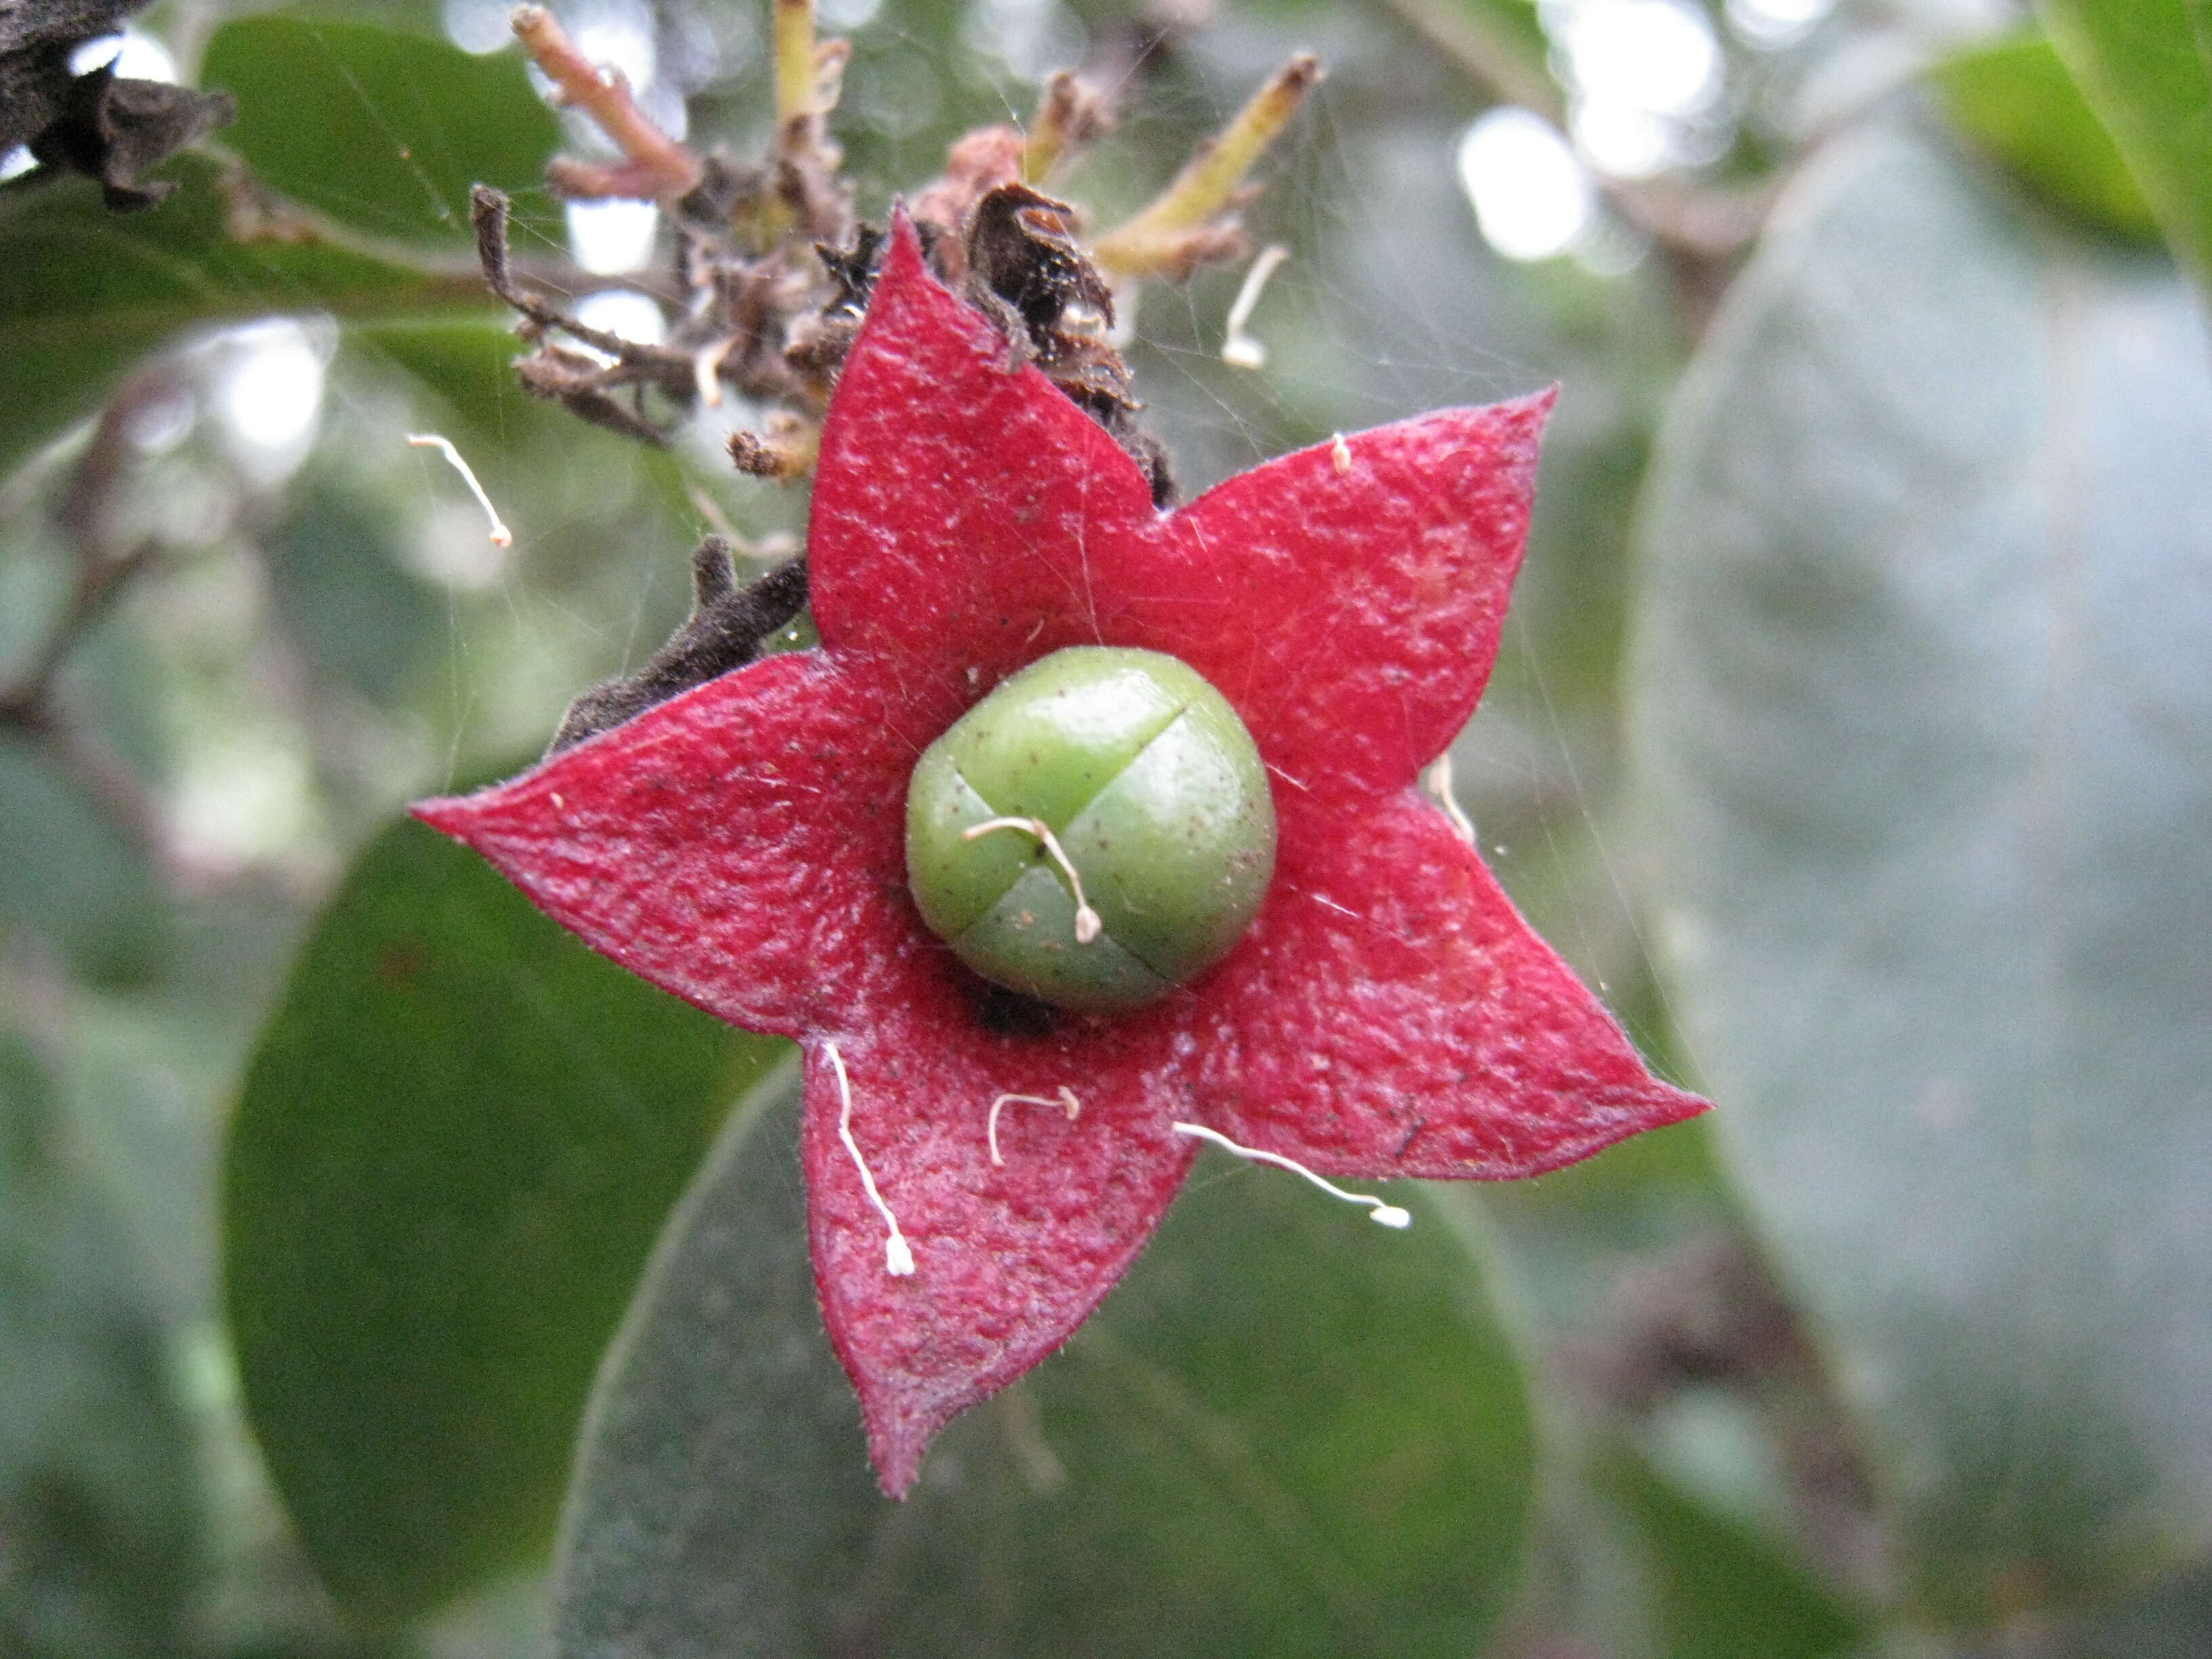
(777, 271)
(776, 268)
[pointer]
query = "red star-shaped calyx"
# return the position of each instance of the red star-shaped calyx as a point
(1389, 1013)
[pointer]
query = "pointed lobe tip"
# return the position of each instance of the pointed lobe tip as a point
(905, 254)
(443, 813)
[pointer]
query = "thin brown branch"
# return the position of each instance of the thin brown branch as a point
(27, 699)
(102, 571)
(31, 704)
(489, 211)
(657, 167)
(1696, 221)
(88, 761)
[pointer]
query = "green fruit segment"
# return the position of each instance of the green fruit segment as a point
(1154, 792)
(1028, 939)
(956, 882)
(1064, 726)
(1170, 857)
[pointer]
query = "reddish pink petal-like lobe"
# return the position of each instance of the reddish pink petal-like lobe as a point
(1008, 1258)
(958, 505)
(1391, 1014)
(968, 520)
(741, 845)
(1367, 585)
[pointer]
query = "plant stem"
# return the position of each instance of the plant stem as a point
(795, 69)
(659, 167)
(1178, 231)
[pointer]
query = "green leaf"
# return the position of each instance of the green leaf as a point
(1719, 1589)
(382, 131)
(1286, 1432)
(1506, 38)
(70, 873)
(355, 612)
(456, 1142)
(2016, 101)
(97, 1488)
(88, 292)
(1923, 730)
(2164, 1620)
(468, 362)
(2145, 66)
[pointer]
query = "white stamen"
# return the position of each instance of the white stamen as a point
(1341, 452)
(1065, 1097)
(706, 371)
(1087, 924)
(1238, 349)
(898, 1257)
(1389, 1215)
(1439, 782)
(501, 535)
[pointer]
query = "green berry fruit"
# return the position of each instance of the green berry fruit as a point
(1095, 832)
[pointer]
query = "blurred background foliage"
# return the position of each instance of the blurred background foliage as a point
(1853, 736)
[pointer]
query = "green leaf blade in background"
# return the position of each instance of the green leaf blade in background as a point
(99, 1517)
(2146, 65)
(455, 1147)
(89, 292)
(385, 131)
(1923, 729)
(2016, 101)
(69, 875)
(1720, 1588)
(1284, 1433)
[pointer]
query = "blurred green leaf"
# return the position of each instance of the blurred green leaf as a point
(455, 1144)
(382, 131)
(2017, 102)
(469, 362)
(1517, 20)
(596, 479)
(1501, 43)
(2164, 1620)
(2144, 66)
(88, 292)
(1286, 1433)
(1925, 731)
(70, 873)
(98, 1510)
(356, 614)
(1719, 1590)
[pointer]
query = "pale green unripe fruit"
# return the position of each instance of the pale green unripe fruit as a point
(1151, 787)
